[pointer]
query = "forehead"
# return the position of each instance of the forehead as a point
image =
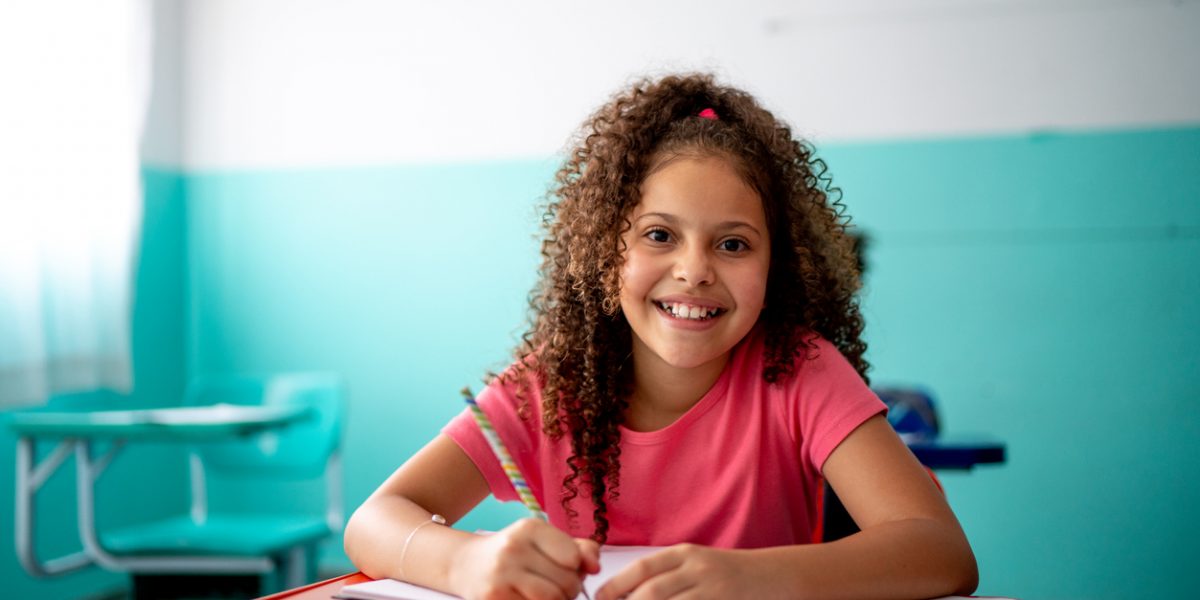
(700, 188)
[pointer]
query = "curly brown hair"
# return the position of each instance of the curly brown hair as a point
(578, 345)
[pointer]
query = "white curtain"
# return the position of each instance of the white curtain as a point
(75, 81)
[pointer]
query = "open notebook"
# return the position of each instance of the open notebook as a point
(612, 560)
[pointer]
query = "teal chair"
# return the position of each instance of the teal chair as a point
(277, 550)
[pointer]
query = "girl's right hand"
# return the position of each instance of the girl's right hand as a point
(528, 560)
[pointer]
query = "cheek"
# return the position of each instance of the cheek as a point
(755, 286)
(631, 280)
(636, 275)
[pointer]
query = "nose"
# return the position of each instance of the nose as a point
(694, 265)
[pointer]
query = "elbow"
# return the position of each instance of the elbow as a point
(966, 572)
(361, 542)
(957, 572)
(350, 537)
(971, 579)
(967, 580)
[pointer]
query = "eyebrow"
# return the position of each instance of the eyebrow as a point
(673, 220)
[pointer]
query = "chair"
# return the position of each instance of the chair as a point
(275, 551)
(911, 412)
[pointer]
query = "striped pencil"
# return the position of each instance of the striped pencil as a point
(506, 460)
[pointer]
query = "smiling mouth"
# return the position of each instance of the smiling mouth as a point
(690, 312)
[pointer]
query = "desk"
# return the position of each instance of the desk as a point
(961, 453)
(329, 588)
(77, 431)
(323, 590)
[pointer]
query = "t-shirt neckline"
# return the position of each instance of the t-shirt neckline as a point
(706, 402)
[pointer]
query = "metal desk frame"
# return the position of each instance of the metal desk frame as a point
(79, 430)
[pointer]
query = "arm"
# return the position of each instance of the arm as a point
(910, 544)
(529, 559)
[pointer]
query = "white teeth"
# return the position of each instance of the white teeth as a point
(687, 311)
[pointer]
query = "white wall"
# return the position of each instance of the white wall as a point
(269, 83)
(162, 141)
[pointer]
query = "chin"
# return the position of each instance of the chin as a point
(687, 360)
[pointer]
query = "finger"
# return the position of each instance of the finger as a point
(535, 587)
(589, 550)
(556, 545)
(537, 563)
(696, 592)
(523, 556)
(638, 572)
(671, 584)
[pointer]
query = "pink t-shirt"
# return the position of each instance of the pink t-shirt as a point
(740, 469)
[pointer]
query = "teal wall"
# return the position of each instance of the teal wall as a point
(408, 281)
(123, 493)
(1046, 288)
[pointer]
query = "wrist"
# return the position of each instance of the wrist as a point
(434, 520)
(775, 574)
(459, 565)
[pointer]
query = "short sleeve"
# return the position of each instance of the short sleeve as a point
(833, 400)
(519, 437)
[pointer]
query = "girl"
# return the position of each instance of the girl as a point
(693, 369)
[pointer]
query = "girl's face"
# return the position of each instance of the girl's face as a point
(696, 262)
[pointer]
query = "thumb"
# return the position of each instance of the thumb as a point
(589, 551)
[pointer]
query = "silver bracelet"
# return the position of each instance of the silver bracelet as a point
(439, 519)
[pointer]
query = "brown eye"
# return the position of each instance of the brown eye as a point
(734, 246)
(658, 235)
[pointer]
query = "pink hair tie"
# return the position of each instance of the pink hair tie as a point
(708, 113)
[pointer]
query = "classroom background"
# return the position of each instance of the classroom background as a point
(353, 187)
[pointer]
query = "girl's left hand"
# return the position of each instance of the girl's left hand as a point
(685, 571)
